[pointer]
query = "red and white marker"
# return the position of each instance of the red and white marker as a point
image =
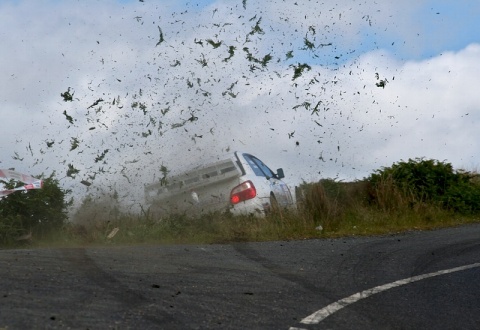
(30, 182)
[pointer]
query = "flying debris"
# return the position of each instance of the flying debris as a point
(382, 82)
(95, 103)
(67, 96)
(114, 231)
(231, 52)
(202, 61)
(17, 157)
(308, 44)
(256, 28)
(214, 44)
(86, 183)
(101, 157)
(74, 143)
(68, 117)
(72, 171)
(298, 70)
(160, 38)
(31, 183)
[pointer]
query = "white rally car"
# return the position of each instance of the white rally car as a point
(240, 182)
(260, 189)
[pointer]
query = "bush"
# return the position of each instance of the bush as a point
(463, 197)
(425, 181)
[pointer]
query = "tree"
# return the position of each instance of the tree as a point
(36, 211)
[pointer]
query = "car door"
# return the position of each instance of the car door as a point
(278, 187)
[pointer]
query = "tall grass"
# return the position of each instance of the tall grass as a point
(209, 228)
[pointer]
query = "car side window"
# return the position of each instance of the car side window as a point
(255, 168)
(258, 167)
(265, 169)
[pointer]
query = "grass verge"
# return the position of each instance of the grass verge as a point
(325, 209)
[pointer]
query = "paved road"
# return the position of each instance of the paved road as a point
(389, 283)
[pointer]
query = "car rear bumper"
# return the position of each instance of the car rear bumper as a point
(255, 206)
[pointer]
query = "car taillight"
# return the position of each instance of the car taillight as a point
(243, 192)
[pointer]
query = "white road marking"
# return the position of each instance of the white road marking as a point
(323, 313)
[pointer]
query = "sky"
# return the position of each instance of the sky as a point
(109, 91)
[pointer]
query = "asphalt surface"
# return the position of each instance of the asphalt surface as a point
(273, 285)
